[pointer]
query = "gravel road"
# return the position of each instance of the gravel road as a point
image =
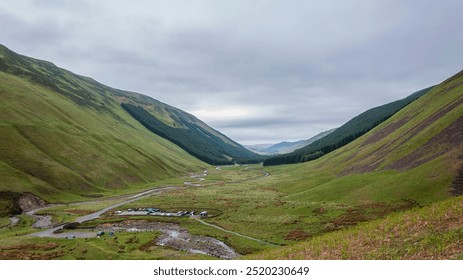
(50, 232)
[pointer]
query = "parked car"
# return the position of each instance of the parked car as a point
(117, 212)
(70, 237)
(100, 233)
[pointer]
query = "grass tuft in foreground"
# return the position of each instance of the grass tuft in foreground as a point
(432, 232)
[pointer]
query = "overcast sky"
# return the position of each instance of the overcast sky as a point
(258, 71)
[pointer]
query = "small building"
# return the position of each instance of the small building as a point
(203, 214)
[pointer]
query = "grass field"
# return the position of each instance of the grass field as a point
(432, 232)
(126, 246)
(244, 201)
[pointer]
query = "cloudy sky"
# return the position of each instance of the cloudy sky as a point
(258, 71)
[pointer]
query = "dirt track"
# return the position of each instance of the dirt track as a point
(235, 233)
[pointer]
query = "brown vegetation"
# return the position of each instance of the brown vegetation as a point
(366, 212)
(297, 234)
(30, 252)
(445, 141)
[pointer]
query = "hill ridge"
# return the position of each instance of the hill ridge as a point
(87, 92)
(350, 131)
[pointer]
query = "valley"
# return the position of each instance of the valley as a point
(76, 155)
(164, 232)
(249, 213)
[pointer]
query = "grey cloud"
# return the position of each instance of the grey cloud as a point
(42, 32)
(301, 66)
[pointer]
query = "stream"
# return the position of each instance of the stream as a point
(172, 235)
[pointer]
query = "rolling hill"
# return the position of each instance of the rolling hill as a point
(65, 136)
(415, 154)
(197, 140)
(410, 161)
(411, 164)
(348, 132)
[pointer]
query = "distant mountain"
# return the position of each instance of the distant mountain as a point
(285, 146)
(348, 132)
(64, 136)
(258, 148)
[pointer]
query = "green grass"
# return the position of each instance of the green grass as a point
(426, 183)
(63, 135)
(23, 227)
(404, 133)
(256, 206)
(294, 204)
(193, 138)
(124, 246)
(432, 232)
(343, 205)
(240, 244)
(60, 151)
(4, 221)
(68, 213)
(347, 133)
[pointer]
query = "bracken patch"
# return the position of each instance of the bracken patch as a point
(297, 234)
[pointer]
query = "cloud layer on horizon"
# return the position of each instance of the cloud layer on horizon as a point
(260, 71)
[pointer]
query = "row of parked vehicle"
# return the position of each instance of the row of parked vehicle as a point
(170, 214)
(101, 233)
(158, 212)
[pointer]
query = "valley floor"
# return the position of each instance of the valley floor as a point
(251, 213)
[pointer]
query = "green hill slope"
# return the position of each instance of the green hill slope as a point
(415, 154)
(413, 159)
(429, 129)
(432, 232)
(64, 136)
(347, 133)
(194, 137)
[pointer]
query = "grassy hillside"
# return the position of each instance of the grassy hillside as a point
(415, 154)
(397, 166)
(385, 195)
(194, 139)
(433, 232)
(347, 133)
(428, 130)
(413, 159)
(63, 136)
